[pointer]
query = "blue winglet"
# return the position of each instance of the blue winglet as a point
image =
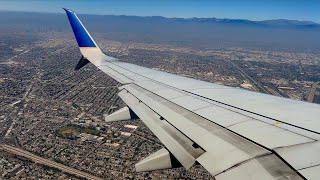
(83, 37)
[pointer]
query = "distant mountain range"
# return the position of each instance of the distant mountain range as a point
(273, 23)
(213, 33)
(276, 22)
(270, 23)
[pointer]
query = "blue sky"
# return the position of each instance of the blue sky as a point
(308, 10)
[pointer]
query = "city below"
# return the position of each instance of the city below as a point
(52, 117)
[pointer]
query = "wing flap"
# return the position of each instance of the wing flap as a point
(228, 149)
(262, 168)
(225, 151)
(170, 137)
(311, 173)
(301, 156)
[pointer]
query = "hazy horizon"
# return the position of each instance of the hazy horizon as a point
(291, 36)
(62, 12)
(230, 9)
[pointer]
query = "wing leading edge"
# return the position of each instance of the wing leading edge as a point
(214, 125)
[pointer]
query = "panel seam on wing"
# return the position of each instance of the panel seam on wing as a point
(219, 101)
(270, 151)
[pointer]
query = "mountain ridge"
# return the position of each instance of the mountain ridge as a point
(212, 33)
(272, 22)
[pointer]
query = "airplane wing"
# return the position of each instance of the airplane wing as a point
(232, 133)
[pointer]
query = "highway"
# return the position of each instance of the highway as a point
(40, 160)
(312, 92)
(250, 79)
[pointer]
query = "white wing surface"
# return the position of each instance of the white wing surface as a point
(233, 133)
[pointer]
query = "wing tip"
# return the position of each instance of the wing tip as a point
(82, 35)
(67, 10)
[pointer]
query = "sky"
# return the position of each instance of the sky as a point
(306, 10)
